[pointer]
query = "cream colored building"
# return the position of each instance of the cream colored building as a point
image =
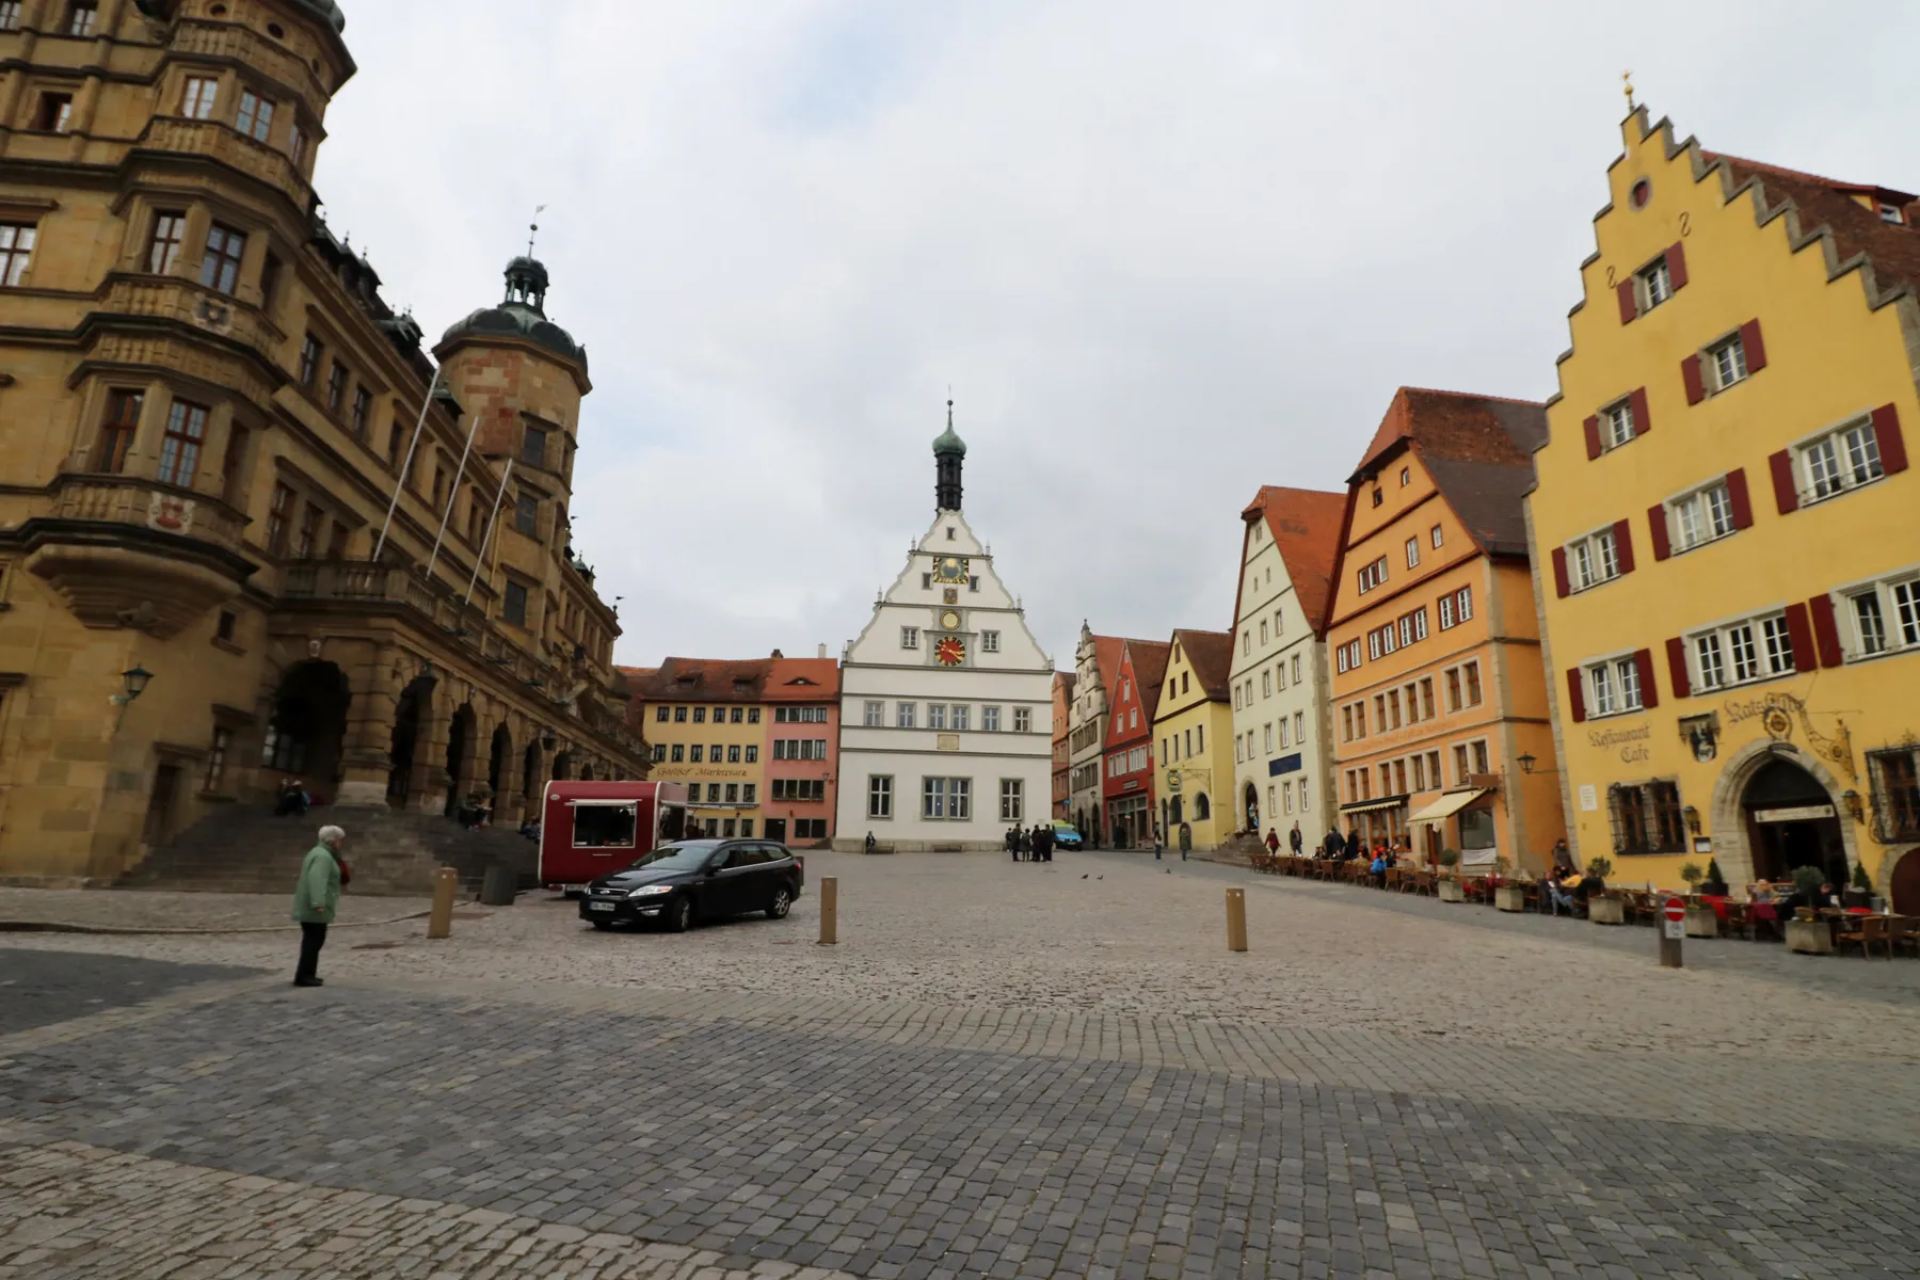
(205, 410)
(1282, 736)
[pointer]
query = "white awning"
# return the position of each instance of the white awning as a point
(1448, 805)
(1369, 806)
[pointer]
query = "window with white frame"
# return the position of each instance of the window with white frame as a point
(1436, 536)
(874, 714)
(1842, 459)
(1296, 657)
(1728, 362)
(1446, 612)
(1373, 575)
(1023, 719)
(1012, 800)
(1618, 420)
(1413, 552)
(960, 716)
(1263, 631)
(990, 719)
(1741, 652)
(1300, 727)
(936, 715)
(909, 637)
(989, 642)
(1613, 687)
(946, 799)
(1701, 516)
(904, 714)
(1279, 622)
(879, 795)
(1656, 283)
(1266, 684)
(1885, 616)
(1593, 559)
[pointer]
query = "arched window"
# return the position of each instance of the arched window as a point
(1201, 809)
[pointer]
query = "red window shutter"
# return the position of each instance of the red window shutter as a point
(1737, 499)
(1561, 585)
(1677, 266)
(1649, 692)
(1886, 430)
(1593, 437)
(1690, 374)
(1657, 527)
(1629, 305)
(1755, 348)
(1576, 695)
(1784, 495)
(1800, 632)
(1677, 667)
(1826, 631)
(1642, 420)
(1623, 545)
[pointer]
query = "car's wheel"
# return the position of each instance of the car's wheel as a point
(781, 904)
(678, 916)
(601, 925)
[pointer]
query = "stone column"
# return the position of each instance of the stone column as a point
(365, 751)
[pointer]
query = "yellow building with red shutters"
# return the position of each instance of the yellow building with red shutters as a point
(1439, 701)
(1733, 612)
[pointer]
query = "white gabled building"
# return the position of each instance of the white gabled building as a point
(1283, 746)
(946, 721)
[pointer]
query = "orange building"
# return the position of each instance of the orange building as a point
(1440, 713)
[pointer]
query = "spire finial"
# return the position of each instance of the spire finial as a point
(1626, 81)
(533, 228)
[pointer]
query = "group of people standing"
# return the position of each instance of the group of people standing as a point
(1030, 846)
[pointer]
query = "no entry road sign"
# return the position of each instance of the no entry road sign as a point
(1676, 909)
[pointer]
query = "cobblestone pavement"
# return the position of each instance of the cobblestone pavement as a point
(147, 909)
(1003, 1070)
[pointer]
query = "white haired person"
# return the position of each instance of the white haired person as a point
(315, 899)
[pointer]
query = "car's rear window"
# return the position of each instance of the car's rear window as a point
(689, 855)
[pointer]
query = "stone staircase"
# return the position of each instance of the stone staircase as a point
(242, 849)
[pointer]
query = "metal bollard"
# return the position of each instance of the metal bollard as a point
(446, 884)
(1236, 919)
(829, 911)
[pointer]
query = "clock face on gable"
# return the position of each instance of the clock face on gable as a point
(950, 569)
(951, 651)
(949, 620)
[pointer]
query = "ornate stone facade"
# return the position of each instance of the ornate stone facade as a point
(226, 461)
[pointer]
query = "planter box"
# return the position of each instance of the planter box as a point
(1603, 910)
(1810, 937)
(1450, 891)
(1510, 897)
(1702, 923)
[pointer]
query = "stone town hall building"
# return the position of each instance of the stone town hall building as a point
(205, 409)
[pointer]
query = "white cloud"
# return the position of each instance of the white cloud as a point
(1162, 254)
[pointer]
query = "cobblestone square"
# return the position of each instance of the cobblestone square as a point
(1002, 1070)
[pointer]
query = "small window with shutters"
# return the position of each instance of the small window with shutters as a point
(1752, 649)
(1713, 511)
(1882, 617)
(1618, 418)
(1590, 560)
(1656, 284)
(1838, 460)
(1619, 423)
(1613, 686)
(1727, 363)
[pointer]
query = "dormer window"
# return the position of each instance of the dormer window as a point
(1891, 213)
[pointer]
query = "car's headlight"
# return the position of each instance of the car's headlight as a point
(648, 890)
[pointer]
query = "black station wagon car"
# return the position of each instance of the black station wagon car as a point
(690, 880)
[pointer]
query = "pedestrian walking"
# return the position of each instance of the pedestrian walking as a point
(1273, 841)
(1295, 841)
(315, 898)
(1186, 840)
(870, 843)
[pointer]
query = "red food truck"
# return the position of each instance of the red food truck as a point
(592, 829)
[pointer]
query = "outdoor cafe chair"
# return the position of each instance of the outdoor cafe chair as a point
(1866, 931)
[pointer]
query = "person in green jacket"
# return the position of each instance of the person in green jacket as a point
(314, 900)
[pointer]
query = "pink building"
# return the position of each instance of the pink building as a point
(802, 700)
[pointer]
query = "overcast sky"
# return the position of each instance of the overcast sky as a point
(1162, 253)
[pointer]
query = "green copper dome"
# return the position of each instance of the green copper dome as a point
(948, 441)
(522, 314)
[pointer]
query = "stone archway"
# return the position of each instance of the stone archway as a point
(562, 765)
(1252, 808)
(411, 713)
(532, 790)
(499, 761)
(461, 735)
(1728, 813)
(307, 730)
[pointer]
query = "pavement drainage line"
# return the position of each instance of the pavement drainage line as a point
(131, 931)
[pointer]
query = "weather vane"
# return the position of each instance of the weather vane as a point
(1626, 79)
(533, 229)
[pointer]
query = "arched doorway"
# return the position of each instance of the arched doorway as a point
(533, 795)
(1791, 822)
(562, 766)
(308, 725)
(413, 707)
(460, 744)
(1904, 885)
(586, 772)
(1202, 807)
(499, 760)
(1252, 806)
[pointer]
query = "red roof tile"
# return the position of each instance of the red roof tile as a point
(802, 680)
(1892, 248)
(1306, 525)
(1479, 451)
(1210, 654)
(1149, 659)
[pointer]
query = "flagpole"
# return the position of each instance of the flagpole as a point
(453, 496)
(481, 557)
(407, 466)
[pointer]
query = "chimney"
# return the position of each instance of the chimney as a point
(778, 654)
(823, 650)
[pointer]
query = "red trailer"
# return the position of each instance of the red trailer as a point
(592, 829)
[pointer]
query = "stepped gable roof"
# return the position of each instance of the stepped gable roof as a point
(1478, 450)
(802, 680)
(1210, 654)
(1149, 658)
(702, 680)
(1892, 248)
(1306, 525)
